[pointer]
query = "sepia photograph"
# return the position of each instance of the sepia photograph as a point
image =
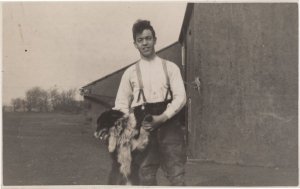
(106, 94)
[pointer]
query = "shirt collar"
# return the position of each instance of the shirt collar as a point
(154, 60)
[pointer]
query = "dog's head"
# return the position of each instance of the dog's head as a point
(107, 120)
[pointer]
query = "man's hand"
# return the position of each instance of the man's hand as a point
(155, 123)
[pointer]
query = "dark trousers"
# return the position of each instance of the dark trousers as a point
(166, 149)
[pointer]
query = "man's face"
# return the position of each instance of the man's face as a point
(145, 42)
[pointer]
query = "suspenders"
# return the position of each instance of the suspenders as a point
(141, 90)
(169, 91)
(139, 76)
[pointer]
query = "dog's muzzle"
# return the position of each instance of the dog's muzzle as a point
(102, 135)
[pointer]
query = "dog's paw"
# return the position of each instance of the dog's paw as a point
(143, 139)
(138, 145)
(142, 145)
(142, 142)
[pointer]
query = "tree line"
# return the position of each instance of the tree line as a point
(52, 100)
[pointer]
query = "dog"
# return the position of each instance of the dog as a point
(124, 136)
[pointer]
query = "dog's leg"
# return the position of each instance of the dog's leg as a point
(124, 158)
(142, 141)
(112, 140)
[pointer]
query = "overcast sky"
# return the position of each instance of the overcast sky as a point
(70, 44)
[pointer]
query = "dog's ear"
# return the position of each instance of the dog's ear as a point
(103, 121)
(116, 114)
(108, 118)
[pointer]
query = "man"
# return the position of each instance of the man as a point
(155, 86)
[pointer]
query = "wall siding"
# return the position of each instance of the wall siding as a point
(247, 58)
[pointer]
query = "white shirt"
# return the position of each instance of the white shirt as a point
(155, 86)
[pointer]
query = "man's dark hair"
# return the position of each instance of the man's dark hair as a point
(139, 26)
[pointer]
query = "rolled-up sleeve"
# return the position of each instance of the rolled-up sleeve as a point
(124, 95)
(179, 94)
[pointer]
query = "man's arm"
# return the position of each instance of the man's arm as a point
(179, 94)
(124, 95)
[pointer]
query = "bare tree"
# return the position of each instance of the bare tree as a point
(37, 98)
(23, 105)
(41, 100)
(16, 103)
(54, 98)
(67, 100)
(43, 104)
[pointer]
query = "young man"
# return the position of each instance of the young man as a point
(155, 86)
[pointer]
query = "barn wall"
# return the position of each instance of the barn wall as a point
(108, 86)
(246, 57)
(193, 116)
(94, 113)
(173, 54)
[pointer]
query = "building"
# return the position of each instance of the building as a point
(246, 58)
(240, 66)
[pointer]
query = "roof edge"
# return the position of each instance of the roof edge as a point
(187, 15)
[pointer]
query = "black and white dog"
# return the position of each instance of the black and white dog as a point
(123, 136)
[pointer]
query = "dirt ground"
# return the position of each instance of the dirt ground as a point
(59, 149)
